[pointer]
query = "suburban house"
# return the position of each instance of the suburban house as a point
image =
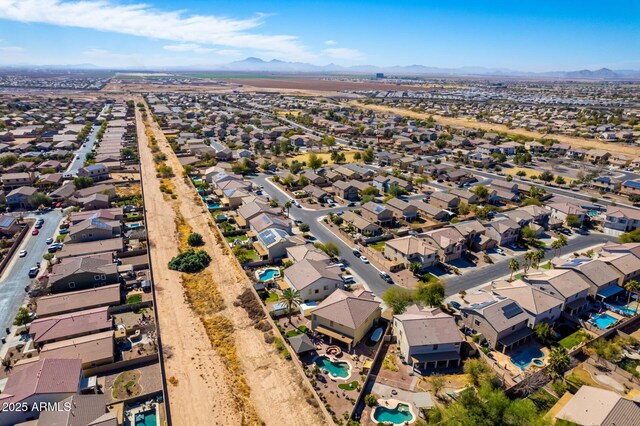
(445, 200)
(561, 210)
(265, 221)
(603, 279)
(314, 279)
(67, 326)
(411, 249)
(97, 172)
(499, 320)
(78, 300)
(274, 243)
(16, 180)
(619, 220)
(626, 264)
(92, 349)
(448, 241)
(8, 225)
(431, 211)
(44, 381)
(362, 225)
(537, 304)
(402, 209)
(377, 213)
(81, 273)
(427, 337)
(503, 230)
(346, 317)
(566, 285)
(93, 229)
(346, 190)
(474, 234)
(19, 197)
(316, 193)
(592, 406)
(248, 211)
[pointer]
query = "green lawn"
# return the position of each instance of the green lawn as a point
(134, 298)
(296, 331)
(379, 246)
(349, 386)
(241, 237)
(546, 265)
(518, 276)
(573, 339)
(273, 297)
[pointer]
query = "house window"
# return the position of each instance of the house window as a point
(476, 322)
(466, 315)
(317, 291)
(325, 287)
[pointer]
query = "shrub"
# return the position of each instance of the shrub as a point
(559, 387)
(195, 239)
(371, 400)
(22, 317)
(190, 261)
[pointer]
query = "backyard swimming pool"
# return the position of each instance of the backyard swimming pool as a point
(523, 358)
(602, 321)
(337, 369)
(399, 415)
(269, 274)
(146, 418)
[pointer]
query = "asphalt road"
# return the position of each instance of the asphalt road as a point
(15, 277)
(500, 268)
(81, 153)
(366, 272)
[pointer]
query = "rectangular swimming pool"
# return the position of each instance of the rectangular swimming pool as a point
(602, 321)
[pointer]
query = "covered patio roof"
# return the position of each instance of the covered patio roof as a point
(335, 335)
(438, 356)
(516, 336)
(610, 291)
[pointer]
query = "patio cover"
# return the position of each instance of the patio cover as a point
(438, 356)
(301, 343)
(333, 334)
(610, 291)
(516, 336)
(260, 249)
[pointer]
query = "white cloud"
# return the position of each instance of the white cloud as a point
(144, 21)
(187, 47)
(343, 53)
(229, 52)
(11, 49)
(330, 42)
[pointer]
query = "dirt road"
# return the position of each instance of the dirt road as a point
(575, 142)
(277, 391)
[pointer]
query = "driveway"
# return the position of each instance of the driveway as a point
(15, 277)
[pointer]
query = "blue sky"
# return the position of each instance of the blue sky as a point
(519, 35)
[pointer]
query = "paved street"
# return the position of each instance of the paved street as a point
(367, 272)
(81, 153)
(15, 277)
(500, 268)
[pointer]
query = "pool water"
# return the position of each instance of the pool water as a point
(627, 310)
(146, 418)
(339, 369)
(523, 358)
(602, 321)
(268, 274)
(213, 206)
(398, 415)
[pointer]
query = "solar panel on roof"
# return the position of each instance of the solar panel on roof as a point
(511, 310)
(6, 221)
(573, 263)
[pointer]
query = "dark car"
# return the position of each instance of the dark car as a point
(386, 277)
(33, 272)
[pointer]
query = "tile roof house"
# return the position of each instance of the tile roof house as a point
(86, 410)
(305, 251)
(361, 224)
(448, 241)
(81, 273)
(93, 349)
(66, 326)
(314, 279)
(592, 406)
(93, 229)
(19, 197)
(445, 200)
(264, 221)
(78, 300)
(47, 380)
(503, 230)
(275, 241)
(619, 220)
(564, 284)
(603, 279)
(402, 210)
(427, 338)
(377, 213)
(346, 317)
(97, 172)
(501, 321)
(538, 305)
(346, 190)
(411, 249)
(561, 210)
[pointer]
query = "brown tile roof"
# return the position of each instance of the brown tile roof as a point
(428, 326)
(91, 348)
(347, 309)
(72, 324)
(68, 302)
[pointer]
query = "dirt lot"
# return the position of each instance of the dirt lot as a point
(206, 389)
(463, 122)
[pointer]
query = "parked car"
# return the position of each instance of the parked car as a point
(63, 231)
(500, 251)
(364, 259)
(386, 277)
(33, 272)
(356, 252)
(22, 253)
(49, 240)
(35, 232)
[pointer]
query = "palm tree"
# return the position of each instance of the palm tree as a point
(528, 261)
(558, 244)
(514, 265)
(287, 206)
(538, 257)
(291, 298)
(632, 286)
(6, 364)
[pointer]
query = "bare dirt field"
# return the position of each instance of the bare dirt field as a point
(463, 122)
(212, 379)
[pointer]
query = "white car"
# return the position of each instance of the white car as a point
(23, 253)
(364, 259)
(500, 251)
(49, 240)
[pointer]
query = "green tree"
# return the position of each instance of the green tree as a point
(8, 160)
(22, 317)
(194, 239)
(357, 156)
(481, 191)
(367, 155)
(559, 244)
(543, 331)
(560, 180)
(559, 362)
(287, 206)
(514, 265)
(546, 176)
(371, 400)
(39, 199)
(314, 161)
(631, 237)
(477, 370)
(82, 182)
(398, 298)
(431, 293)
(190, 261)
(633, 286)
(573, 221)
(291, 298)
(303, 227)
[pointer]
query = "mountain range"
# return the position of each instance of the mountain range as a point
(257, 65)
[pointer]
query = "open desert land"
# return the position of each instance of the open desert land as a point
(614, 148)
(234, 358)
